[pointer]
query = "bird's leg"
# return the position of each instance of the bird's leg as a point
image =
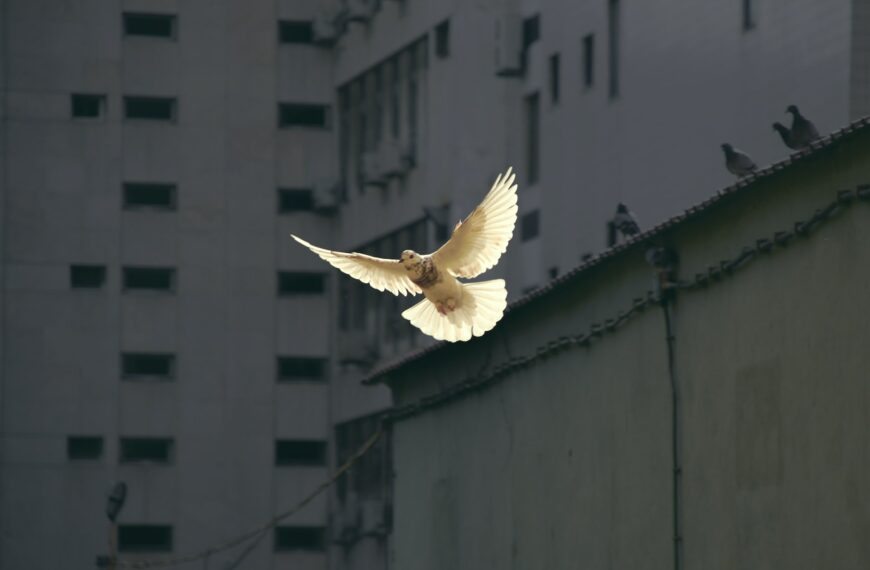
(446, 306)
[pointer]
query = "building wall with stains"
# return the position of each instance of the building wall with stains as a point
(566, 459)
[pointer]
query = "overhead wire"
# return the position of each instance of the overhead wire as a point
(259, 532)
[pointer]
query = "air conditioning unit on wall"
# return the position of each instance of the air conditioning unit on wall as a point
(343, 528)
(360, 10)
(326, 28)
(408, 153)
(326, 196)
(357, 347)
(373, 174)
(509, 45)
(390, 159)
(373, 517)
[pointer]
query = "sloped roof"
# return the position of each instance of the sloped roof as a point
(816, 148)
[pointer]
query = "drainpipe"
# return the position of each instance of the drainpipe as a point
(665, 261)
(676, 435)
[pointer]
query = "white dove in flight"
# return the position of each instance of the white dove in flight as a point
(452, 311)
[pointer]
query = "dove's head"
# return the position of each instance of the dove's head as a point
(727, 148)
(410, 258)
(622, 208)
(792, 109)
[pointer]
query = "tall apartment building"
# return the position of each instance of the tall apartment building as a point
(160, 327)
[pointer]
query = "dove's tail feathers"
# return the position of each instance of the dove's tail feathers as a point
(480, 308)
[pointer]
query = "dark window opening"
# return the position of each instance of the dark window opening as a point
(149, 195)
(529, 226)
(301, 368)
(344, 117)
(300, 453)
(532, 138)
(613, 47)
(531, 30)
(394, 98)
(140, 449)
(292, 283)
(589, 60)
(303, 115)
(370, 475)
(377, 107)
(87, 276)
(442, 39)
(295, 32)
(139, 364)
(149, 278)
(84, 447)
(88, 106)
(748, 15)
(300, 538)
(144, 538)
(554, 78)
(295, 200)
(150, 108)
(151, 25)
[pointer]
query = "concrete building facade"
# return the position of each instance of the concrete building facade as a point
(158, 327)
(597, 428)
(592, 102)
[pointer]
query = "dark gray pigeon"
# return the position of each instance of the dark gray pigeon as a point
(803, 131)
(785, 134)
(738, 162)
(623, 222)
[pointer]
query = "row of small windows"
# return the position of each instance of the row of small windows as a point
(164, 196)
(155, 25)
(134, 278)
(143, 538)
(94, 106)
(85, 276)
(162, 366)
(161, 450)
(132, 449)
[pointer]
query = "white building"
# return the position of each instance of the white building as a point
(159, 135)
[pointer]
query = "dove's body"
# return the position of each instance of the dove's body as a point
(452, 310)
(439, 287)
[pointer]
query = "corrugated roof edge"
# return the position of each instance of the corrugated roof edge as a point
(824, 143)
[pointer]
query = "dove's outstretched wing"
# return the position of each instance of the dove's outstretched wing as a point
(479, 240)
(382, 274)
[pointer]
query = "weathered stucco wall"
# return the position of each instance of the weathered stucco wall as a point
(566, 462)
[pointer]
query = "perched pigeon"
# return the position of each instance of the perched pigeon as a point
(624, 222)
(737, 162)
(785, 134)
(803, 131)
(452, 310)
